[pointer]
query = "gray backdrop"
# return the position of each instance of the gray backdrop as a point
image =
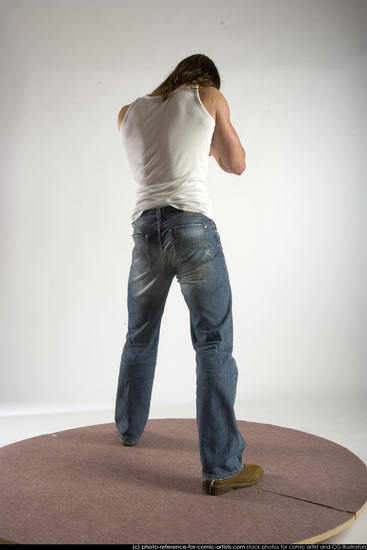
(293, 226)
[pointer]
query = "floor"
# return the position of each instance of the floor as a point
(343, 421)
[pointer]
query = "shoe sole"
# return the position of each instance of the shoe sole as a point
(210, 489)
(125, 444)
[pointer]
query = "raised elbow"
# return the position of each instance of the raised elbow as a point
(240, 168)
(240, 163)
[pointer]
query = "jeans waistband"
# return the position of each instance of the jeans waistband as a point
(162, 212)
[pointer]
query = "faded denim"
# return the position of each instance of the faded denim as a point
(168, 243)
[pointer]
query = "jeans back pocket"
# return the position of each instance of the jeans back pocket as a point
(191, 243)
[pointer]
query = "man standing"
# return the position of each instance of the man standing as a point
(168, 137)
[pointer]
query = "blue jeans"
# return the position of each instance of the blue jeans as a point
(168, 243)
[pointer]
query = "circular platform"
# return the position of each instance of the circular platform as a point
(82, 486)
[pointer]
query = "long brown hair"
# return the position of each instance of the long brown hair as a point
(193, 70)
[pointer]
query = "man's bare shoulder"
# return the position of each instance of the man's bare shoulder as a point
(212, 99)
(121, 116)
(210, 93)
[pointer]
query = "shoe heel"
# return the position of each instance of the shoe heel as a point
(210, 489)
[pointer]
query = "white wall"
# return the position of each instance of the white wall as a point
(293, 226)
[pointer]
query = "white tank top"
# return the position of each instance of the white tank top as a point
(167, 145)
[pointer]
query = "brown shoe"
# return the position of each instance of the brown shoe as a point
(250, 474)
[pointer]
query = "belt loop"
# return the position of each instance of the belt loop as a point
(159, 216)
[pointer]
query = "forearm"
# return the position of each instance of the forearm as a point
(215, 154)
(230, 170)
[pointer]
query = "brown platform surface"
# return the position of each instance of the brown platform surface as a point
(82, 486)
